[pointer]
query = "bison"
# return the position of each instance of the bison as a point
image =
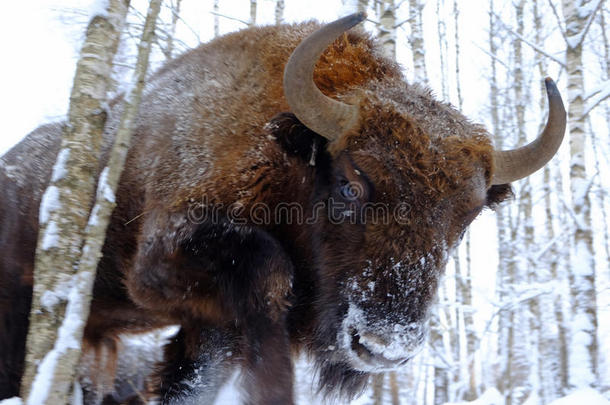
(286, 189)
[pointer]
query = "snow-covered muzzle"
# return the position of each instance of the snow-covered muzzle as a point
(381, 345)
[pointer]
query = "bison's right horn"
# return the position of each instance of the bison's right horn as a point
(515, 164)
(324, 115)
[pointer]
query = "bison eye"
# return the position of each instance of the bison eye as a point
(350, 191)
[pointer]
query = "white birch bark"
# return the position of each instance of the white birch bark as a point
(583, 329)
(63, 215)
(252, 21)
(456, 19)
(550, 334)
(279, 11)
(523, 234)
(416, 40)
(175, 9)
(352, 6)
(387, 30)
(505, 246)
(216, 18)
(105, 202)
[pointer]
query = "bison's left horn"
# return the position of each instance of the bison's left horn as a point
(324, 115)
(515, 164)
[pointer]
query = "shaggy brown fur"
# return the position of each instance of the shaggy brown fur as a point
(215, 150)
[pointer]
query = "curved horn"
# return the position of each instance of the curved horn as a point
(324, 115)
(515, 164)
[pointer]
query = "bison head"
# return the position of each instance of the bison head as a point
(408, 175)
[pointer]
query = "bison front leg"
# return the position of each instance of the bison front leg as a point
(197, 362)
(220, 276)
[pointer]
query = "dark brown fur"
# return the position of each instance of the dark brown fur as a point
(215, 137)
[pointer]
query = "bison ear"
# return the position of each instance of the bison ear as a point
(296, 139)
(497, 194)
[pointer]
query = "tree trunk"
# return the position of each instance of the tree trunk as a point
(95, 233)
(279, 12)
(387, 30)
(63, 215)
(378, 389)
(252, 21)
(169, 50)
(523, 235)
(583, 340)
(456, 18)
(216, 19)
(416, 40)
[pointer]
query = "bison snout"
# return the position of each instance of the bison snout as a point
(382, 345)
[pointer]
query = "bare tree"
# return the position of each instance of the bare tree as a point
(175, 9)
(53, 343)
(279, 11)
(216, 18)
(387, 27)
(578, 16)
(95, 232)
(416, 40)
(547, 315)
(252, 21)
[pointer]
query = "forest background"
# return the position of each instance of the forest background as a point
(523, 314)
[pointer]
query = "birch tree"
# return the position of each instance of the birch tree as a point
(387, 28)
(252, 21)
(578, 16)
(551, 362)
(416, 40)
(279, 12)
(502, 213)
(171, 35)
(105, 201)
(64, 211)
(216, 18)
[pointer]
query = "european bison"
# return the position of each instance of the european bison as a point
(286, 190)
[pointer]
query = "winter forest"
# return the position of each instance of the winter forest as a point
(522, 314)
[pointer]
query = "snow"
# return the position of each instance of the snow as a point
(50, 202)
(104, 188)
(490, 397)
(66, 340)
(77, 394)
(583, 396)
(402, 341)
(51, 236)
(50, 298)
(11, 401)
(597, 96)
(229, 393)
(59, 169)
(94, 217)
(98, 7)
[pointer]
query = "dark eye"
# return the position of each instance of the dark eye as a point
(350, 191)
